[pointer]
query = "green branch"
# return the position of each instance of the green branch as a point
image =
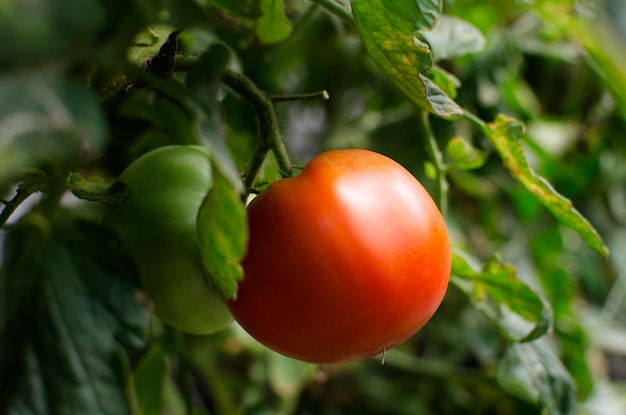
(321, 95)
(11, 205)
(35, 181)
(269, 135)
(436, 157)
(268, 128)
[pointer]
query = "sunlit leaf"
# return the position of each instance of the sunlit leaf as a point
(387, 29)
(534, 372)
(505, 134)
(464, 155)
(70, 309)
(273, 26)
(147, 43)
(518, 311)
(223, 235)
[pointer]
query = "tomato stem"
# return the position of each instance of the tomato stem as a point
(268, 129)
(436, 157)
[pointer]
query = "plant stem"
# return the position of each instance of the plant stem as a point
(338, 10)
(483, 126)
(34, 182)
(268, 129)
(11, 205)
(436, 156)
(323, 95)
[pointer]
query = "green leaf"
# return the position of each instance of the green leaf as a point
(204, 76)
(205, 124)
(535, 373)
(518, 311)
(147, 43)
(464, 155)
(46, 119)
(273, 26)
(452, 37)
(203, 81)
(149, 380)
(505, 133)
(34, 180)
(163, 114)
(429, 12)
(387, 29)
(69, 308)
(96, 189)
(223, 236)
(444, 80)
(268, 17)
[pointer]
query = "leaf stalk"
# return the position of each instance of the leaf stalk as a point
(436, 157)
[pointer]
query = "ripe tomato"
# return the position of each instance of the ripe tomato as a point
(346, 260)
(157, 221)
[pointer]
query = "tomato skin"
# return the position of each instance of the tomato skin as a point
(346, 260)
(157, 221)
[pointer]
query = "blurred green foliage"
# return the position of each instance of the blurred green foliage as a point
(528, 153)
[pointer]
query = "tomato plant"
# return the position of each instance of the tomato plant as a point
(512, 115)
(157, 221)
(345, 261)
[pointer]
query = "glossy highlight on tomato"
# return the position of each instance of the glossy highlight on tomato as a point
(345, 261)
(157, 221)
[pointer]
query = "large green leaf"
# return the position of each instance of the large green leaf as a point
(38, 30)
(69, 311)
(505, 134)
(534, 372)
(520, 314)
(222, 236)
(387, 29)
(47, 119)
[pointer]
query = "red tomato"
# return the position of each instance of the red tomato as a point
(346, 260)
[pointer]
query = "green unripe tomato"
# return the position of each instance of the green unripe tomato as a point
(157, 221)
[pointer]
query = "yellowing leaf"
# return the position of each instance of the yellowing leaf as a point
(504, 133)
(387, 29)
